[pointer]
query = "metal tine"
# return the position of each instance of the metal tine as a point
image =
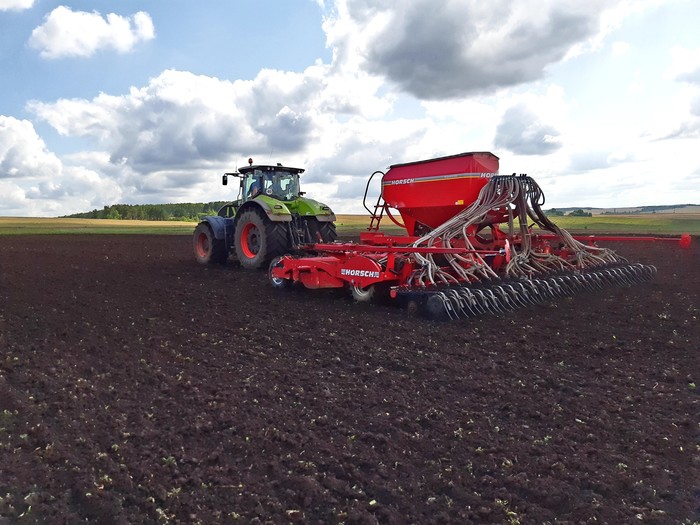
(516, 296)
(628, 274)
(536, 293)
(620, 276)
(452, 302)
(602, 279)
(634, 274)
(493, 300)
(512, 296)
(488, 301)
(504, 298)
(527, 295)
(608, 275)
(543, 290)
(582, 281)
(567, 284)
(555, 286)
(548, 291)
(469, 301)
(647, 271)
(447, 305)
(640, 271)
(457, 301)
(623, 277)
(564, 284)
(595, 281)
(480, 302)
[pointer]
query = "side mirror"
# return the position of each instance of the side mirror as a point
(224, 179)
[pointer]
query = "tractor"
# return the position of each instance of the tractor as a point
(271, 217)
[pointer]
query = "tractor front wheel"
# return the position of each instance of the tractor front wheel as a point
(207, 248)
(257, 240)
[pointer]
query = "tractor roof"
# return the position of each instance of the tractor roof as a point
(265, 167)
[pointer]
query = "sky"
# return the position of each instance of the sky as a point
(140, 102)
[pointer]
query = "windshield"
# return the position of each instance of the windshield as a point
(282, 185)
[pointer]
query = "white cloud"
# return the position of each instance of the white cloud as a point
(34, 181)
(23, 154)
(464, 46)
(171, 139)
(685, 68)
(15, 5)
(79, 33)
(620, 49)
(181, 120)
(685, 65)
(523, 132)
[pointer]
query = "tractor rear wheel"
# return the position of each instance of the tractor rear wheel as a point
(207, 248)
(257, 240)
(327, 231)
(321, 231)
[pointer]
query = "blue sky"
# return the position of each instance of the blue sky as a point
(146, 102)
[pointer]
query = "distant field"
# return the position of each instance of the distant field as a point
(32, 226)
(656, 224)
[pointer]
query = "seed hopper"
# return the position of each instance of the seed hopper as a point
(475, 242)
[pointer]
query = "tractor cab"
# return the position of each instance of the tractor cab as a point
(274, 181)
(278, 182)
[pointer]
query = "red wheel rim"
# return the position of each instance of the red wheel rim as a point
(202, 245)
(250, 241)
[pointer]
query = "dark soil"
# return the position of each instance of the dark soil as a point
(139, 387)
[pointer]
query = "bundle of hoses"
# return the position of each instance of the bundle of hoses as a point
(465, 285)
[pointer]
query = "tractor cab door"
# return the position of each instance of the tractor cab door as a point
(253, 185)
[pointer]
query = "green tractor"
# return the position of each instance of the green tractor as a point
(271, 217)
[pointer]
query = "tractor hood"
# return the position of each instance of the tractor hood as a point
(279, 210)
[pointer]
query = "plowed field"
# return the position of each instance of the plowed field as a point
(138, 387)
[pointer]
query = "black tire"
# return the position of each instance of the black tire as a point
(207, 248)
(275, 281)
(363, 295)
(258, 240)
(327, 231)
(321, 231)
(375, 293)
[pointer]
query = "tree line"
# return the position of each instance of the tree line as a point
(575, 213)
(187, 211)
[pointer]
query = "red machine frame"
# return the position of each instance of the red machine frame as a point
(427, 194)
